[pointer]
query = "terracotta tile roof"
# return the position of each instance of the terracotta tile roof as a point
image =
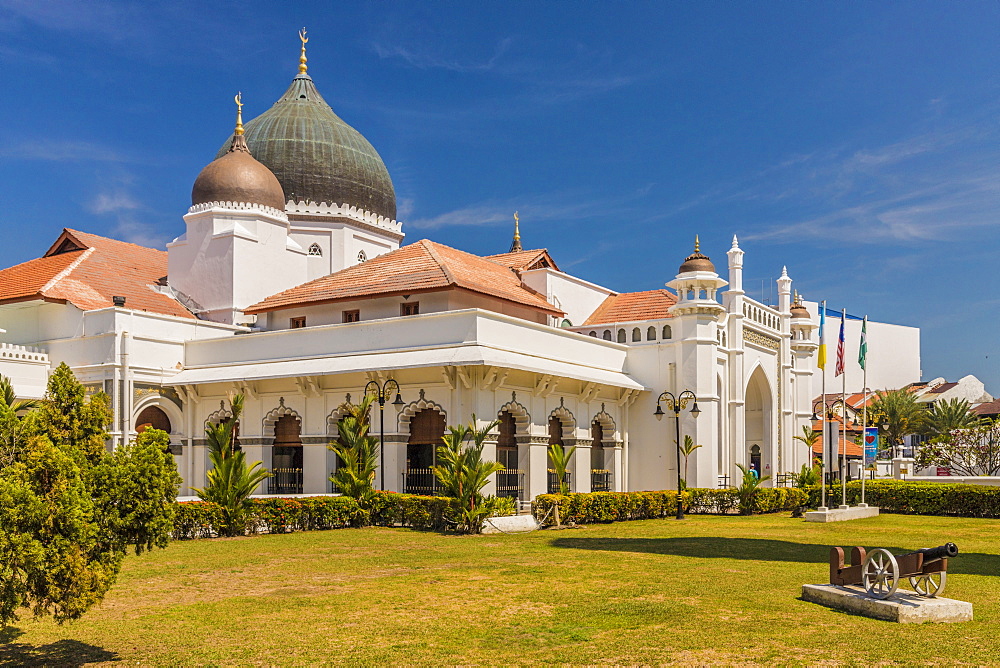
(631, 306)
(943, 387)
(988, 408)
(87, 270)
(423, 266)
(853, 449)
(527, 259)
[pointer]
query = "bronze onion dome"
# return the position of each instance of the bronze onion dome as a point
(235, 176)
(696, 261)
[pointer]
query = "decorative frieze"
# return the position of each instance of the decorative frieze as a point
(762, 340)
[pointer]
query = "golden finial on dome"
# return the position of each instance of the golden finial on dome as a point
(239, 113)
(697, 244)
(516, 246)
(302, 57)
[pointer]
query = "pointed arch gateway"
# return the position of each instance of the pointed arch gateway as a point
(284, 425)
(514, 422)
(760, 424)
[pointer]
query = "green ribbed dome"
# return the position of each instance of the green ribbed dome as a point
(316, 156)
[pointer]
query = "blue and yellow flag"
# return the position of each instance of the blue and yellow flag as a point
(822, 341)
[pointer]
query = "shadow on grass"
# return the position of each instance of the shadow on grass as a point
(59, 653)
(760, 549)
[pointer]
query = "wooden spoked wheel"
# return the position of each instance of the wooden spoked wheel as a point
(929, 585)
(880, 573)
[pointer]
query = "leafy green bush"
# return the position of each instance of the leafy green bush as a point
(919, 498)
(596, 507)
(197, 519)
(409, 510)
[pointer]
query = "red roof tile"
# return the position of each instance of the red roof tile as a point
(87, 270)
(632, 306)
(526, 259)
(988, 408)
(423, 266)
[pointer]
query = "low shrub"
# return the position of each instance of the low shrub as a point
(197, 519)
(918, 498)
(408, 510)
(596, 507)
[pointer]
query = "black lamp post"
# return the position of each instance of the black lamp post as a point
(676, 404)
(828, 415)
(381, 393)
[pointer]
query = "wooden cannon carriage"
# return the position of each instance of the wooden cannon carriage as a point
(879, 571)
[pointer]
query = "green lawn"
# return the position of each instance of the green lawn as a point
(708, 589)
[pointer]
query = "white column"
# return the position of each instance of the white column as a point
(395, 463)
(490, 455)
(254, 453)
(314, 470)
(537, 469)
(579, 466)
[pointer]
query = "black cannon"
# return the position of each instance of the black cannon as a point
(879, 571)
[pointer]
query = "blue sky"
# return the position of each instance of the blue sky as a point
(856, 143)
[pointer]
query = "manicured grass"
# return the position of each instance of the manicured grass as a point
(708, 589)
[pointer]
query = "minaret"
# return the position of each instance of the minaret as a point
(784, 291)
(515, 247)
(735, 255)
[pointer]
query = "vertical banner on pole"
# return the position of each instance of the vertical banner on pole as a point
(871, 445)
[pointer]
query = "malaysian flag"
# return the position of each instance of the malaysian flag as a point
(840, 345)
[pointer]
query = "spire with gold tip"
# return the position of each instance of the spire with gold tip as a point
(515, 247)
(239, 142)
(302, 56)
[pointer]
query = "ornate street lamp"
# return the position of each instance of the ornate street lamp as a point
(676, 404)
(381, 393)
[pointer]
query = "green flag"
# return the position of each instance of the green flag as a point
(863, 348)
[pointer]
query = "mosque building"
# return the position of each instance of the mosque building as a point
(290, 284)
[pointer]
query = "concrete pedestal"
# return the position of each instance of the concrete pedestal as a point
(842, 514)
(512, 524)
(903, 606)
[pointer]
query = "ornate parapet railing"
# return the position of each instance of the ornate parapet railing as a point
(9, 351)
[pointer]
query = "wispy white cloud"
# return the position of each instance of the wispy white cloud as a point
(546, 208)
(422, 59)
(112, 202)
(60, 150)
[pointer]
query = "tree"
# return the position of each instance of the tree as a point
(900, 411)
(972, 452)
(687, 450)
(947, 416)
(358, 452)
(70, 510)
(231, 480)
(808, 437)
(11, 426)
(560, 457)
(463, 473)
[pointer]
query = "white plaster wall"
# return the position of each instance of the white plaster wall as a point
(893, 355)
(577, 297)
(27, 369)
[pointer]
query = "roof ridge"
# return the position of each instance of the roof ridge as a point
(66, 272)
(429, 246)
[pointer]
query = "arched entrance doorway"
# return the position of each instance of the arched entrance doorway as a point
(286, 457)
(426, 429)
(152, 417)
(759, 424)
(556, 428)
(509, 482)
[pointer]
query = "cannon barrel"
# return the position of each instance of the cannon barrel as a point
(940, 552)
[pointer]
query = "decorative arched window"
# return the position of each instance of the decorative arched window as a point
(621, 336)
(607, 335)
(667, 334)
(362, 256)
(651, 334)
(316, 250)
(152, 417)
(594, 334)
(636, 334)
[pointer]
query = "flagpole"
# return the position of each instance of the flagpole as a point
(843, 406)
(863, 358)
(822, 366)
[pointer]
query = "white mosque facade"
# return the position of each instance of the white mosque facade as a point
(290, 284)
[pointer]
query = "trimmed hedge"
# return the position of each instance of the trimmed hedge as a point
(593, 507)
(200, 519)
(918, 498)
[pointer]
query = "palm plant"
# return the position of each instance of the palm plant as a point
(899, 413)
(231, 480)
(947, 416)
(747, 490)
(687, 450)
(808, 476)
(358, 452)
(807, 437)
(463, 473)
(560, 457)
